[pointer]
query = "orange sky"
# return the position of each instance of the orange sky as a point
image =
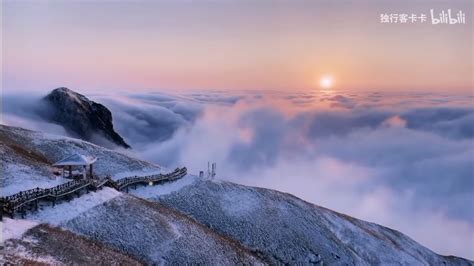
(282, 45)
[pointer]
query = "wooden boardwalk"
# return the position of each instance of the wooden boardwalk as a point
(28, 200)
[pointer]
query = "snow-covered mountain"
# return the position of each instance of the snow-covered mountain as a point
(27, 157)
(188, 221)
(288, 230)
(82, 117)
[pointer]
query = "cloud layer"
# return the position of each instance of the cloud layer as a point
(405, 161)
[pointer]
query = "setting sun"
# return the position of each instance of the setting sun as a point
(326, 82)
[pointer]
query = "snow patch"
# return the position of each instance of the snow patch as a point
(65, 211)
(15, 228)
(175, 229)
(27, 180)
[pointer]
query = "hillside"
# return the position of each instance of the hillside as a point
(286, 229)
(45, 244)
(27, 156)
(188, 221)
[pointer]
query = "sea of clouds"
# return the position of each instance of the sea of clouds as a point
(405, 161)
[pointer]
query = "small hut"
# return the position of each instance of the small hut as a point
(75, 161)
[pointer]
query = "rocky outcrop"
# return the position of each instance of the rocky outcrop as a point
(82, 117)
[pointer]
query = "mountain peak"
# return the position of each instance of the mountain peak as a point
(82, 117)
(64, 90)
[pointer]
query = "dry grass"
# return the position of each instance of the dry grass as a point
(22, 150)
(63, 247)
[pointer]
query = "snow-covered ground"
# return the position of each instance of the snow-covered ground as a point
(187, 221)
(27, 180)
(65, 211)
(20, 173)
(47, 245)
(27, 158)
(288, 230)
(15, 228)
(156, 234)
(62, 212)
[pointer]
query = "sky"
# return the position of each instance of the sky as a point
(229, 45)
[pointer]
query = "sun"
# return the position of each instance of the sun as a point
(326, 82)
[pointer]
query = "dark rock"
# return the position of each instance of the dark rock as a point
(82, 117)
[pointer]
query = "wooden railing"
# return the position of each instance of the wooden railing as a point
(24, 199)
(151, 179)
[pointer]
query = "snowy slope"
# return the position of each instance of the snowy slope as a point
(26, 158)
(187, 221)
(46, 245)
(286, 229)
(140, 230)
(135, 229)
(157, 234)
(68, 210)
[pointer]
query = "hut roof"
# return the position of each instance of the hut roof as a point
(76, 159)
